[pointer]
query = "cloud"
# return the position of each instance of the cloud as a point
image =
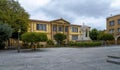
(115, 7)
(32, 5)
(99, 23)
(92, 12)
(89, 8)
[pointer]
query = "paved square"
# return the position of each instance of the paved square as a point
(59, 59)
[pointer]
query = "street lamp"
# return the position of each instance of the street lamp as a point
(18, 48)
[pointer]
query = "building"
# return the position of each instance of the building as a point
(73, 32)
(84, 33)
(113, 27)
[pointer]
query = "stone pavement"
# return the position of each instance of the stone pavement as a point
(59, 59)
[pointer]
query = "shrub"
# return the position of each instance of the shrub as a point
(50, 42)
(59, 37)
(84, 44)
(34, 38)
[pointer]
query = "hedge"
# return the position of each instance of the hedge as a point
(84, 44)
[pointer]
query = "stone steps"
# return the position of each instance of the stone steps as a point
(113, 59)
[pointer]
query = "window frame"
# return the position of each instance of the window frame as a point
(66, 29)
(111, 23)
(111, 30)
(118, 29)
(119, 21)
(42, 27)
(74, 37)
(75, 29)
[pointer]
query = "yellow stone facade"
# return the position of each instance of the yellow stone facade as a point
(73, 32)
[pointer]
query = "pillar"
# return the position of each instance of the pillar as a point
(115, 40)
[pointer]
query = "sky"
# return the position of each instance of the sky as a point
(92, 13)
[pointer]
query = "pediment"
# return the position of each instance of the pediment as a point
(60, 21)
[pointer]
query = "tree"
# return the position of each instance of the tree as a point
(93, 34)
(59, 37)
(5, 34)
(12, 13)
(105, 36)
(33, 38)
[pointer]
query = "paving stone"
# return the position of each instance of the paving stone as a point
(59, 59)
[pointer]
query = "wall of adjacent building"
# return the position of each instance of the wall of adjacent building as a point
(115, 26)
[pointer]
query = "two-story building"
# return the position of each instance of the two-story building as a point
(73, 32)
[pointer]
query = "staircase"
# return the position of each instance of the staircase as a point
(114, 59)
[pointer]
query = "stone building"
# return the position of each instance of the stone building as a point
(113, 27)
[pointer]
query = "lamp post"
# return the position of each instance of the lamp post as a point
(18, 48)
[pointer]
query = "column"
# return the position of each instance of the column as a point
(115, 40)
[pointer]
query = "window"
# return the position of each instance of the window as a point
(66, 29)
(41, 27)
(60, 28)
(86, 33)
(118, 29)
(37, 27)
(74, 29)
(111, 23)
(54, 28)
(74, 37)
(111, 30)
(118, 21)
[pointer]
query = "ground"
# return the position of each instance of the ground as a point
(59, 59)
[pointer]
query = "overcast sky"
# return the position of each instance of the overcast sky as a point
(90, 12)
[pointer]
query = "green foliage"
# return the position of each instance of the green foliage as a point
(93, 34)
(12, 13)
(105, 36)
(84, 44)
(59, 37)
(34, 37)
(50, 42)
(5, 33)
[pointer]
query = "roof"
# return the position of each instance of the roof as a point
(59, 20)
(34, 20)
(113, 16)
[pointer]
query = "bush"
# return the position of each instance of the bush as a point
(84, 44)
(59, 37)
(50, 42)
(34, 38)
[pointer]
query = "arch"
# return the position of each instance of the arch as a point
(116, 39)
(117, 36)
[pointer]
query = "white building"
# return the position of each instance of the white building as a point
(84, 36)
